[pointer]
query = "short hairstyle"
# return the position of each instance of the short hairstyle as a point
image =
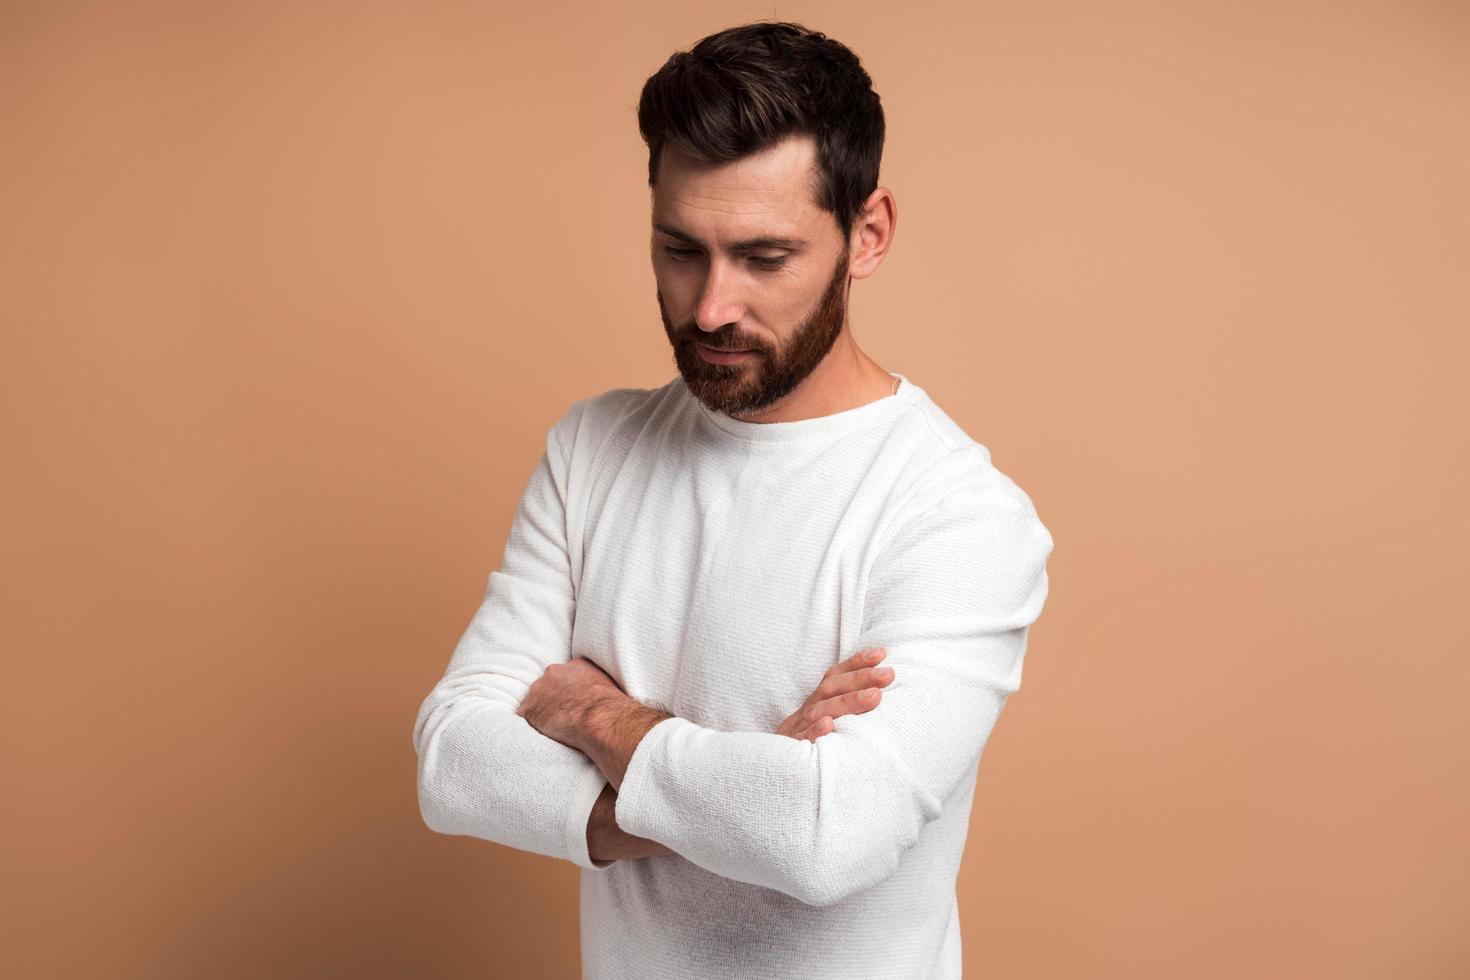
(741, 90)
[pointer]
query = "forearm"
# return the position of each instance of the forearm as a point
(607, 842)
(818, 820)
(485, 773)
(744, 804)
(815, 820)
(609, 734)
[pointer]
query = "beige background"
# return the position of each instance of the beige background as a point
(291, 293)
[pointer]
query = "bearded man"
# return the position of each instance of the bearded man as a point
(752, 628)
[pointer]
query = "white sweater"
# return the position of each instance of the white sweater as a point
(715, 568)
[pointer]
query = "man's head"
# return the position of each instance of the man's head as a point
(764, 143)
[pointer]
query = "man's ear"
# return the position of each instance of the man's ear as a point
(872, 233)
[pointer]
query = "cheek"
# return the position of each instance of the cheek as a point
(786, 300)
(677, 288)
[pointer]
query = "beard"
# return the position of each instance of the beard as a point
(768, 374)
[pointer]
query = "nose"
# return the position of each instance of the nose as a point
(719, 301)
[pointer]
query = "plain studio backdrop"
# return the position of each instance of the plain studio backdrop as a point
(291, 293)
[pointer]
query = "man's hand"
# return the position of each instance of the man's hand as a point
(848, 688)
(563, 698)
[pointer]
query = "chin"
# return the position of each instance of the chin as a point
(719, 387)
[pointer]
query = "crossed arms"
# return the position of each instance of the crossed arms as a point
(578, 704)
(950, 599)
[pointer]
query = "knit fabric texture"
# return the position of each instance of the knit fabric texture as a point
(716, 568)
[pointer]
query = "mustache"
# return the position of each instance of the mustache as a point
(718, 343)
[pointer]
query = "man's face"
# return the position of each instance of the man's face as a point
(745, 260)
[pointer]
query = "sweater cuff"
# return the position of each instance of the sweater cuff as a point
(639, 798)
(580, 811)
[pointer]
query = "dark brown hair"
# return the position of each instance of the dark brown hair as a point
(743, 89)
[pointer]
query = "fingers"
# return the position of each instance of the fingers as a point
(850, 703)
(863, 658)
(848, 687)
(817, 728)
(829, 710)
(853, 680)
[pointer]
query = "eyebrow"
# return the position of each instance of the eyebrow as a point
(741, 246)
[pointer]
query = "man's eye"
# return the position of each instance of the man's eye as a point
(768, 262)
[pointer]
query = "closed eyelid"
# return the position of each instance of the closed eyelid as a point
(762, 261)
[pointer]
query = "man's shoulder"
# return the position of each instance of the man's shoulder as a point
(615, 403)
(956, 467)
(943, 455)
(588, 420)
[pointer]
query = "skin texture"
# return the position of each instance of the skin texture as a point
(786, 303)
(560, 701)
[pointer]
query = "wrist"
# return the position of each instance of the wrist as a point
(598, 718)
(613, 730)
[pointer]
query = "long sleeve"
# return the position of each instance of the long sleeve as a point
(483, 770)
(951, 596)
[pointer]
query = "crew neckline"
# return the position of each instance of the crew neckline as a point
(804, 428)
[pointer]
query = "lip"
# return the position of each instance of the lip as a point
(714, 355)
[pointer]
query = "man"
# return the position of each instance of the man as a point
(674, 679)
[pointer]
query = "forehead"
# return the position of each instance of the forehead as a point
(772, 190)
